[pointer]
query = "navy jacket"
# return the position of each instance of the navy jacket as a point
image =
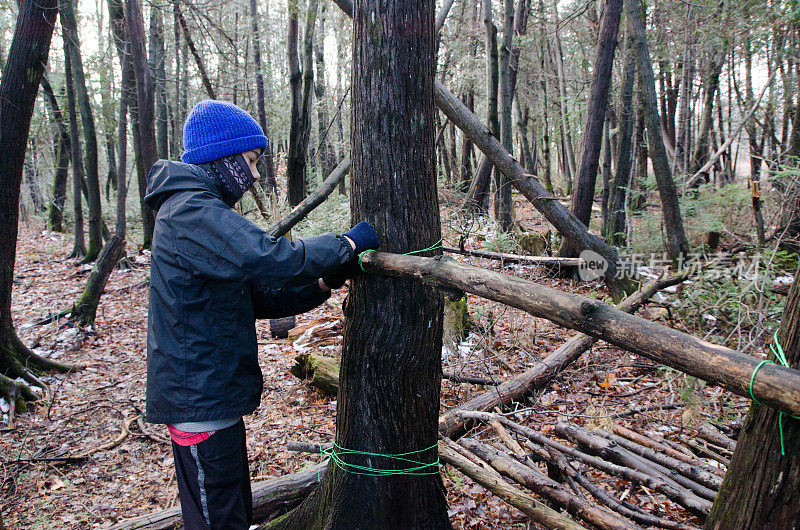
(212, 273)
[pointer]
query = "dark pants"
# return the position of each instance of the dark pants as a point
(214, 481)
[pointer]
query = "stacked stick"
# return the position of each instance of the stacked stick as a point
(654, 466)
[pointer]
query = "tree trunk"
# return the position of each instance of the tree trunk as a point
(492, 91)
(756, 148)
(477, 200)
(85, 309)
(677, 244)
(503, 205)
(710, 85)
(616, 227)
(83, 101)
(466, 145)
(18, 89)
(79, 246)
(566, 132)
(762, 486)
(392, 327)
(266, 161)
(146, 150)
(62, 155)
(158, 72)
(126, 98)
(327, 157)
(296, 163)
(591, 141)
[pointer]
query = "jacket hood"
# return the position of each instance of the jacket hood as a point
(167, 178)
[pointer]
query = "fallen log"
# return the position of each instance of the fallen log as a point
(514, 389)
(510, 494)
(546, 487)
(322, 372)
(775, 386)
(271, 498)
(684, 497)
(516, 258)
(314, 199)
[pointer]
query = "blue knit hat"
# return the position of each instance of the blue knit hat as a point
(215, 129)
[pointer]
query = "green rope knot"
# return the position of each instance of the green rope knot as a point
(777, 350)
(338, 453)
(436, 245)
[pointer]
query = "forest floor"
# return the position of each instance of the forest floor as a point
(136, 476)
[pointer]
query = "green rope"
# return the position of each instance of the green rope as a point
(777, 350)
(436, 245)
(753, 376)
(337, 453)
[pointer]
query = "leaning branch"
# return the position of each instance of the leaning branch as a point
(316, 198)
(773, 385)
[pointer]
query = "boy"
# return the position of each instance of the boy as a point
(212, 273)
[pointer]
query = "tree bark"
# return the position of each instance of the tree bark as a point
(72, 46)
(591, 141)
(18, 89)
(762, 486)
(391, 354)
(677, 244)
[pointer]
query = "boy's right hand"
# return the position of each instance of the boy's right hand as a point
(364, 237)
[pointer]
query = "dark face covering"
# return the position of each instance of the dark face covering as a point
(233, 175)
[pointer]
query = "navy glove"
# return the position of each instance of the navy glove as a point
(336, 280)
(364, 236)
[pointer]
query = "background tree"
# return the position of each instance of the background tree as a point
(18, 89)
(83, 101)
